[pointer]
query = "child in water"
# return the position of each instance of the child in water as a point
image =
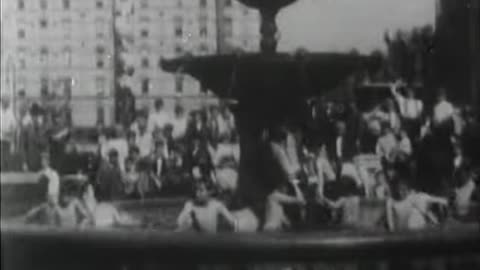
(66, 212)
(348, 203)
(101, 214)
(69, 211)
(464, 192)
(276, 219)
(409, 209)
(201, 213)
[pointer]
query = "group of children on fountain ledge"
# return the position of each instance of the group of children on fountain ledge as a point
(391, 168)
(388, 168)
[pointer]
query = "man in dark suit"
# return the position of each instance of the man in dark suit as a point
(340, 147)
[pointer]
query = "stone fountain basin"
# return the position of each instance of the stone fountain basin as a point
(263, 76)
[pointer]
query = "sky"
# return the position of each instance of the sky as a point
(342, 25)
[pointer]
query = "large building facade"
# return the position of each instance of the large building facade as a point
(67, 47)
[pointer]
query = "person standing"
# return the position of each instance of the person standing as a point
(8, 132)
(59, 135)
(392, 117)
(159, 117)
(443, 111)
(52, 179)
(180, 123)
(109, 177)
(34, 139)
(143, 138)
(411, 110)
(119, 143)
(341, 146)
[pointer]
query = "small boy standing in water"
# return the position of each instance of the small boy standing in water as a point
(66, 212)
(409, 209)
(348, 202)
(464, 192)
(276, 219)
(69, 211)
(201, 213)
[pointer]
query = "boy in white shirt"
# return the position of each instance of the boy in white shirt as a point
(159, 117)
(53, 180)
(443, 110)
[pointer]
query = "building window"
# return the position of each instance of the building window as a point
(22, 63)
(43, 86)
(144, 33)
(145, 86)
(178, 49)
(203, 31)
(100, 63)
(21, 34)
(145, 62)
(66, 4)
(144, 19)
(178, 24)
(43, 23)
(203, 26)
(144, 4)
(100, 27)
(21, 4)
(228, 3)
(100, 83)
(203, 48)
(67, 54)
(43, 55)
(43, 4)
(21, 57)
(228, 26)
(100, 50)
(203, 3)
(21, 84)
(178, 31)
(67, 87)
(99, 4)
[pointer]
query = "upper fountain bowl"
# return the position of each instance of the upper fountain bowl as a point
(267, 4)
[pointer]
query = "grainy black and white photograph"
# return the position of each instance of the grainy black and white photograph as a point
(240, 134)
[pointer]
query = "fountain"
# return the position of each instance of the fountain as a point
(269, 88)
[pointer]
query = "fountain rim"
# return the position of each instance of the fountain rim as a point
(253, 247)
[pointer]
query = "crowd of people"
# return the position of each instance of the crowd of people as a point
(397, 166)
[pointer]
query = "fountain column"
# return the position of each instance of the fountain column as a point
(255, 115)
(268, 30)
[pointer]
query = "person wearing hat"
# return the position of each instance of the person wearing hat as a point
(159, 117)
(143, 137)
(109, 177)
(34, 139)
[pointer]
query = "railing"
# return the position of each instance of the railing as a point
(34, 247)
